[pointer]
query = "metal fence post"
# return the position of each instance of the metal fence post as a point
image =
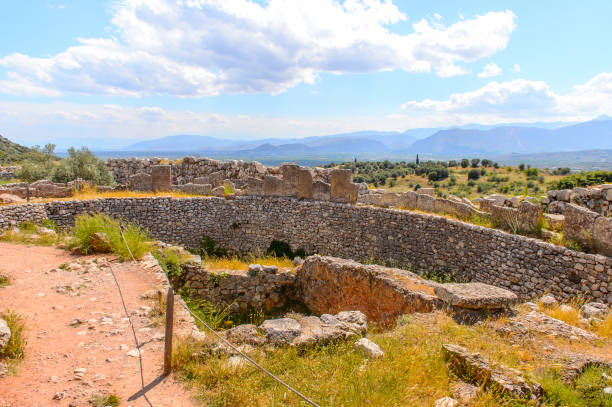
(168, 336)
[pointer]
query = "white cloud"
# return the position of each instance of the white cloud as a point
(519, 100)
(490, 70)
(208, 47)
(447, 71)
(516, 68)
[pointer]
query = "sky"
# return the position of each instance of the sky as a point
(107, 73)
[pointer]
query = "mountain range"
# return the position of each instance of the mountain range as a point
(472, 140)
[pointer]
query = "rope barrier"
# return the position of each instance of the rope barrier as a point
(254, 363)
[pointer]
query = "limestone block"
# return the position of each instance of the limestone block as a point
(218, 191)
(321, 191)
(290, 176)
(529, 215)
(578, 224)
(342, 189)
(390, 199)
(216, 178)
(161, 178)
(304, 186)
(426, 191)
(475, 296)
(370, 199)
(409, 200)
(369, 348)
(564, 195)
(140, 182)
(607, 194)
(602, 235)
(425, 203)
(363, 188)
(202, 180)
(255, 186)
(273, 186)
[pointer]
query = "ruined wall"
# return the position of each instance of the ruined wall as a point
(527, 266)
(588, 228)
(597, 199)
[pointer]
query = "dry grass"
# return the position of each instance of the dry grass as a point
(241, 264)
(413, 371)
(604, 329)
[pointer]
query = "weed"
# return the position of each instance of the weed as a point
(85, 226)
(214, 317)
(4, 280)
(604, 329)
(15, 348)
(104, 400)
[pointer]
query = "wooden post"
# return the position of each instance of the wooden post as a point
(168, 337)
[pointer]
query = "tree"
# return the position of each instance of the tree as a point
(464, 163)
(473, 174)
(82, 164)
(475, 162)
(522, 167)
(486, 162)
(417, 160)
(452, 163)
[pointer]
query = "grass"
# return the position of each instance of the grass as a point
(27, 233)
(85, 226)
(570, 313)
(215, 317)
(238, 263)
(413, 371)
(14, 351)
(92, 193)
(104, 400)
(4, 281)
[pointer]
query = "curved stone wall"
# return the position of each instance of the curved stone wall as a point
(527, 266)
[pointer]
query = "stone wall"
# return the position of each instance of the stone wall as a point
(597, 199)
(237, 289)
(424, 242)
(38, 189)
(588, 228)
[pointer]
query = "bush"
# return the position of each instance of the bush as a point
(85, 226)
(14, 349)
(82, 164)
(465, 163)
(583, 179)
(30, 172)
(475, 162)
(474, 174)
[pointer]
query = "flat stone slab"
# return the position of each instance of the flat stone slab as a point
(475, 296)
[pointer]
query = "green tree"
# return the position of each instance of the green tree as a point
(475, 162)
(474, 174)
(465, 163)
(82, 164)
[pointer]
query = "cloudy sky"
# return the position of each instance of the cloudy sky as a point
(109, 72)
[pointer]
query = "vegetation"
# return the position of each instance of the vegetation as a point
(14, 350)
(242, 263)
(283, 250)
(104, 400)
(13, 153)
(584, 179)
(465, 178)
(85, 226)
(30, 233)
(4, 281)
(413, 371)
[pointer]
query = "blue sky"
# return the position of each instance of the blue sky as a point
(110, 72)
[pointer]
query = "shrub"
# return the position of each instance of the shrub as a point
(465, 163)
(82, 164)
(474, 174)
(583, 179)
(104, 400)
(170, 261)
(475, 162)
(30, 172)
(85, 226)
(14, 349)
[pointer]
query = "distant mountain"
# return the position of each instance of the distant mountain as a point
(594, 134)
(180, 142)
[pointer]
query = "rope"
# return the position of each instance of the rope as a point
(133, 333)
(287, 386)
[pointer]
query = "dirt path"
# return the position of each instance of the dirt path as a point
(51, 300)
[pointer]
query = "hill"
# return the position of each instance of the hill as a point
(11, 153)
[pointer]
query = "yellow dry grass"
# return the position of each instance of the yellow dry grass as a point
(240, 264)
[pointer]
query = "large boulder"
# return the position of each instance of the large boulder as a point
(342, 189)
(100, 243)
(304, 185)
(273, 186)
(369, 348)
(281, 331)
(579, 224)
(161, 178)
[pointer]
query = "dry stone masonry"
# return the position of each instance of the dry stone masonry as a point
(422, 242)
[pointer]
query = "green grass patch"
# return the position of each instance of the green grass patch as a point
(14, 351)
(85, 226)
(104, 400)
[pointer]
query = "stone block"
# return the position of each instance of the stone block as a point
(409, 200)
(255, 186)
(218, 191)
(140, 182)
(304, 186)
(529, 215)
(426, 191)
(161, 178)
(273, 186)
(202, 180)
(342, 189)
(475, 296)
(216, 178)
(321, 191)
(564, 195)
(602, 235)
(579, 224)
(290, 176)
(390, 199)
(425, 203)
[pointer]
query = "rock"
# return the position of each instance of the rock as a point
(281, 331)
(134, 353)
(475, 296)
(607, 390)
(59, 395)
(80, 371)
(369, 348)
(465, 392)
(446, 402)
(548, 301)
(218, 191)
(270, 269)
(594, 310)
(297, 261)
(356, 318)
(473, 368)
(46, 232)
(245, 334)
(254, 269)
(5, 333)
(10, 198)
(100, 243)
(538, 322)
